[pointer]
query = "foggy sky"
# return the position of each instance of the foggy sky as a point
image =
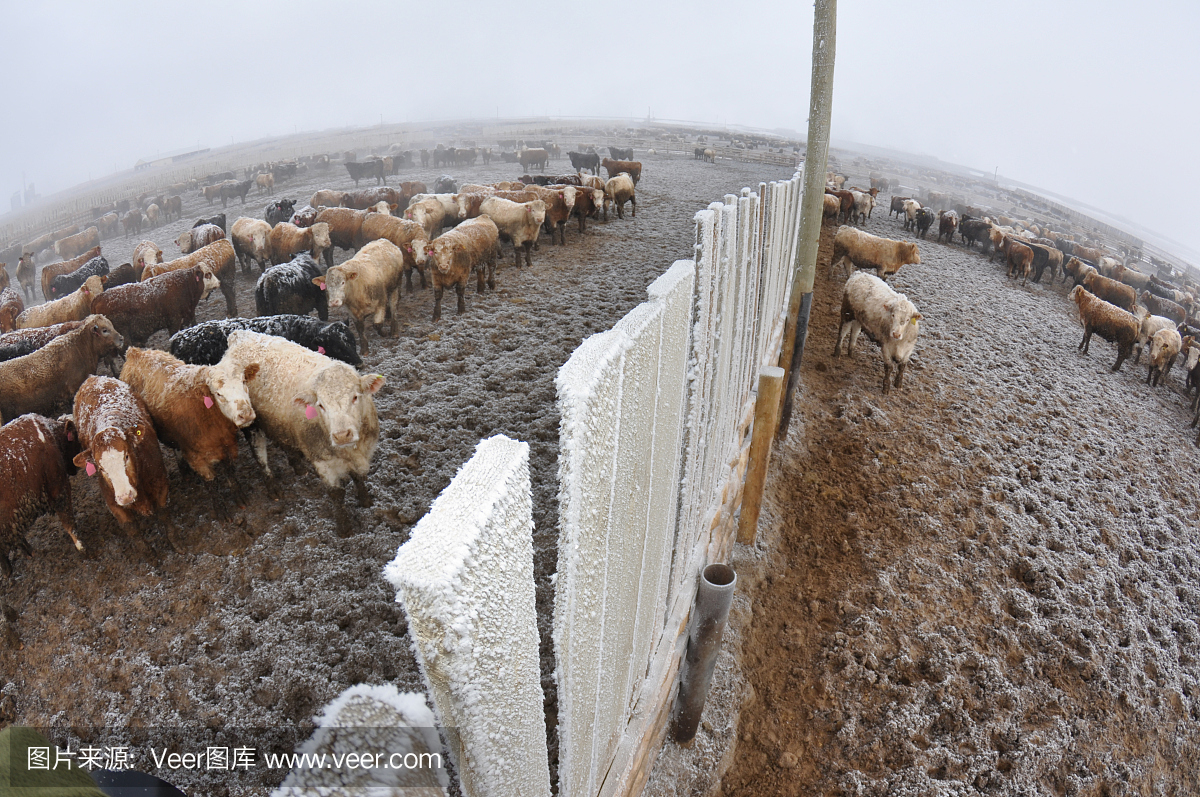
(1092, 100)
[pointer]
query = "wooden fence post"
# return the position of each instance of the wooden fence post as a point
(766, 416)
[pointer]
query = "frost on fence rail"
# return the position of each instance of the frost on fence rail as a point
(622, 398)
(465, 577)
(394, 728)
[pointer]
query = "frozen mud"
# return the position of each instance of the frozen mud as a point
(260, 621)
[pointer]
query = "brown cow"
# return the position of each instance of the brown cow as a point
(118, 442)
(167, 301)
(64, 267)
(217, 258)
(47, 378)
(11, 306)
(633, 168)
(37, 453)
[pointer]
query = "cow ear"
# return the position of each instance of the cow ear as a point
(251, 372)
(306, 397)
(372, 382)
(81, 459)
(917, 317)
(319, 281)
(887, 306)
(351, 275)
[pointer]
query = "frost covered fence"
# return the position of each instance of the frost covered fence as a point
(653, 449)
(465, 577)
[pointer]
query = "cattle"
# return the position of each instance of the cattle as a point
(218, 219)
(516, 222)
(191, 240)
(132, 222)
(889, 318)
(327, 198)
(217, 258)
(286, 240)
(973, 230)
(121, 275)
(710, 155)
(909, 209)
(528, 158)
(584, 161)
(65, 284)
(430, 213)
(11, 306)
(1107, 320)
(560, 201)
(588, 201)
(64, 232)
(1156, 305)
(167, 301)
(53, 270)
(897, 205)
(20, 342)
(445, 185)
(366, 170)
(145, 254)
(314, 407)
(615, 167)
(108, 225)
(235, 189)
(265, 183)
(864, 204)
(75, 306)
(278, 212)
(173, 207)
(846, 198)
(857, 249)
(617, 153)
(1019, 258)
(471, 246)
(74, 245)
(152, 215)
(1077, 270)
(361, 200)
(1148, 325)
(205, 344)
(621, 189)
(368, 286)
(1112, 291)
(119, 445)
(304, 217)
(47, 378)
(250, 243)
(289, 288)
(947, 225)
(38, 455)
(924, 221)
(345, 227)
(26, 271)
(196, 409)
(404, 233)
(831, 210)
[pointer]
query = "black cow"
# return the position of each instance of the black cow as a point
(205, 344)
(445, 185)
(582, 161)
(289, 288)
(925, 218)
(64, 284)
(218, 220)
(280, 210)
(231, 190)
(361, 171)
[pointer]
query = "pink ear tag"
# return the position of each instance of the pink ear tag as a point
(208, 402)
(310, 411)
(322, 286)
(320, 350)
(71, 436)
(91, 469)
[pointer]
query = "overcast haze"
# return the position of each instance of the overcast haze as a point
(1092, 100)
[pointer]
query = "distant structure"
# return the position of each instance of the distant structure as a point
(164, 160)
(15, 200)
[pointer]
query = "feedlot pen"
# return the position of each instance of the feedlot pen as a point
(261, 621)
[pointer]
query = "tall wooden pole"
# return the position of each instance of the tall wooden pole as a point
(812, 205)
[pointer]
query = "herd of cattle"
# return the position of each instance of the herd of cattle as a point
(1133, 309)
(283, 375)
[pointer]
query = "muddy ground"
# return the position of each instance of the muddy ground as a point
(985, 583)
(259, 622)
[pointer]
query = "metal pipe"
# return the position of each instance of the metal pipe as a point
(713, 598)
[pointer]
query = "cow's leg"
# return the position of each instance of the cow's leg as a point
(887, 375)
(437, 302)
(361, 493)
(230, 297)
(479, 270)
(361, 325)
(341, 518)
(66, 516)
(899, 373)
(461, 290)
(633, 206)
(528, 259)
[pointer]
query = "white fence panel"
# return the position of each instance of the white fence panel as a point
(465, 577)
(622, 402)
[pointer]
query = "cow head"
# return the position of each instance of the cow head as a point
(335, 281)
(342, 402)
(902, 313)
(110, 453)
(102, 329)
(227, 382)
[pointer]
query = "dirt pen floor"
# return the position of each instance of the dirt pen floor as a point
(985, 583)
(259, 622)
